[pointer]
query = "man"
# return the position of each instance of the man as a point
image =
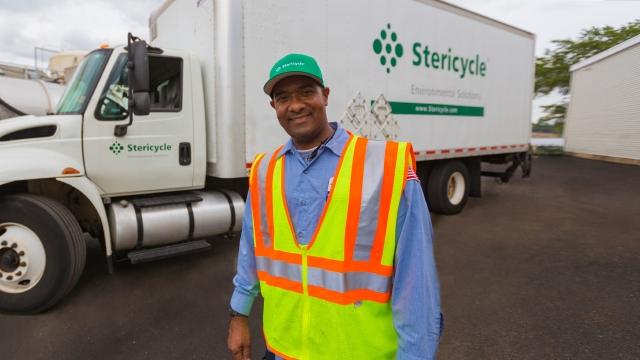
(336, 237)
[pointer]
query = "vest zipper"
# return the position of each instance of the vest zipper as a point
(305, 304)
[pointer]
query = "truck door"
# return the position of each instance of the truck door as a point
(155, 154)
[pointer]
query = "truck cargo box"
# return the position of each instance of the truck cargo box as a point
(458, 83)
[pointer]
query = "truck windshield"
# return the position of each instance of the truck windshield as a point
(80, 88)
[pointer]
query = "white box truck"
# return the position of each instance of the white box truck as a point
(150, 144)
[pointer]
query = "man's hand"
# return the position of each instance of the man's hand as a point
(239, 342)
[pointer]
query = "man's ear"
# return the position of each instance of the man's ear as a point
(273, 105)
(325, 92)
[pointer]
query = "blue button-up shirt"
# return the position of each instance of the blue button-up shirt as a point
(415, 296)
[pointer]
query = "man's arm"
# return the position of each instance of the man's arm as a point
(415, 296)
(246, 280)
(245, 291)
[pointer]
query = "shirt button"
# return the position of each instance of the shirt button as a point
(305, 171)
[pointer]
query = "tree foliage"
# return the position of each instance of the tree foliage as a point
(554, 111)
(543, 127)
(552, 69)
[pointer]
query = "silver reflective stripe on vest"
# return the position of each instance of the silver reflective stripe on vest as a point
(262, 176)
(343, 282)
(279, 269)
(371, 189)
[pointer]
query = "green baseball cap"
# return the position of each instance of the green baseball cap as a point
(290, 65)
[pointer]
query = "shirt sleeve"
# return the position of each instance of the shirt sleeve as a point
(415, 298)
(246, 280)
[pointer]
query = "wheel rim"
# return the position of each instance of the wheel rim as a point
(22, 258)
(455, 188)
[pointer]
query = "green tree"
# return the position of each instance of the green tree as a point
(555, 112)
(552, 69)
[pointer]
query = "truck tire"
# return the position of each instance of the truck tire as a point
(526, 163)
(448, 187)
(42, 253)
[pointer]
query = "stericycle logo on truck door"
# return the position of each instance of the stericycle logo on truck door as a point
(141, 150)
(387, 45)
(116, 148)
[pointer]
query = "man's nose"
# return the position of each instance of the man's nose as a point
(296, 104)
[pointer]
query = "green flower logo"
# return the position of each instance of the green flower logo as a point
(116, 148)
(388, 48)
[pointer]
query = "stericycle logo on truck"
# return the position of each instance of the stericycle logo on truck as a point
(388, 42)
(387, 45)
(116, 148)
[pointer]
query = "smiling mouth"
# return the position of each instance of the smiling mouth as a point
(299, 117)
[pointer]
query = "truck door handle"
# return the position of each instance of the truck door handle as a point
(185, 153)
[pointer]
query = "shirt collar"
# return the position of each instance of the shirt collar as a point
(335, 144)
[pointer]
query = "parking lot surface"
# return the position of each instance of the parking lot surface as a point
(539, 268)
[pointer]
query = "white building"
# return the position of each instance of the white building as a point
(603, 119)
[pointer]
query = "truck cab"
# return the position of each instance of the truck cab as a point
(123, 159)
(161, 151)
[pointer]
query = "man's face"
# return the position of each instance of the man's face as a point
(300, 105)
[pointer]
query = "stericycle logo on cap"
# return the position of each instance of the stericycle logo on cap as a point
(293, 63)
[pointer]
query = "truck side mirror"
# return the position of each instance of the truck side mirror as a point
(141, 103)
(139, 76)
(138, 66)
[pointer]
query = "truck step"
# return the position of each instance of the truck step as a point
(166, 200)
(145, 255)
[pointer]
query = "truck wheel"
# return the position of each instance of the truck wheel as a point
(42, 253)
(526, 162)
(448, 187)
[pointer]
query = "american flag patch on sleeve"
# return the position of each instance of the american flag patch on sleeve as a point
(411, 174)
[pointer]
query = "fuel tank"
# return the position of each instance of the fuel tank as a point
(165, 219)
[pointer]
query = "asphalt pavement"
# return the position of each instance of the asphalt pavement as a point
(539, 268)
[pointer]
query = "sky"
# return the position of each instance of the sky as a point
(68, 25)
(86, 24)
(554, 19)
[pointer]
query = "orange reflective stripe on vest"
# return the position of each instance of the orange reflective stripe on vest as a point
(342, 288)
(256, 189)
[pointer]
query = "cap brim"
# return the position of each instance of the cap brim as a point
(269, 85)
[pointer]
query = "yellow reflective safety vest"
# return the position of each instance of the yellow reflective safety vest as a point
(330, 299)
